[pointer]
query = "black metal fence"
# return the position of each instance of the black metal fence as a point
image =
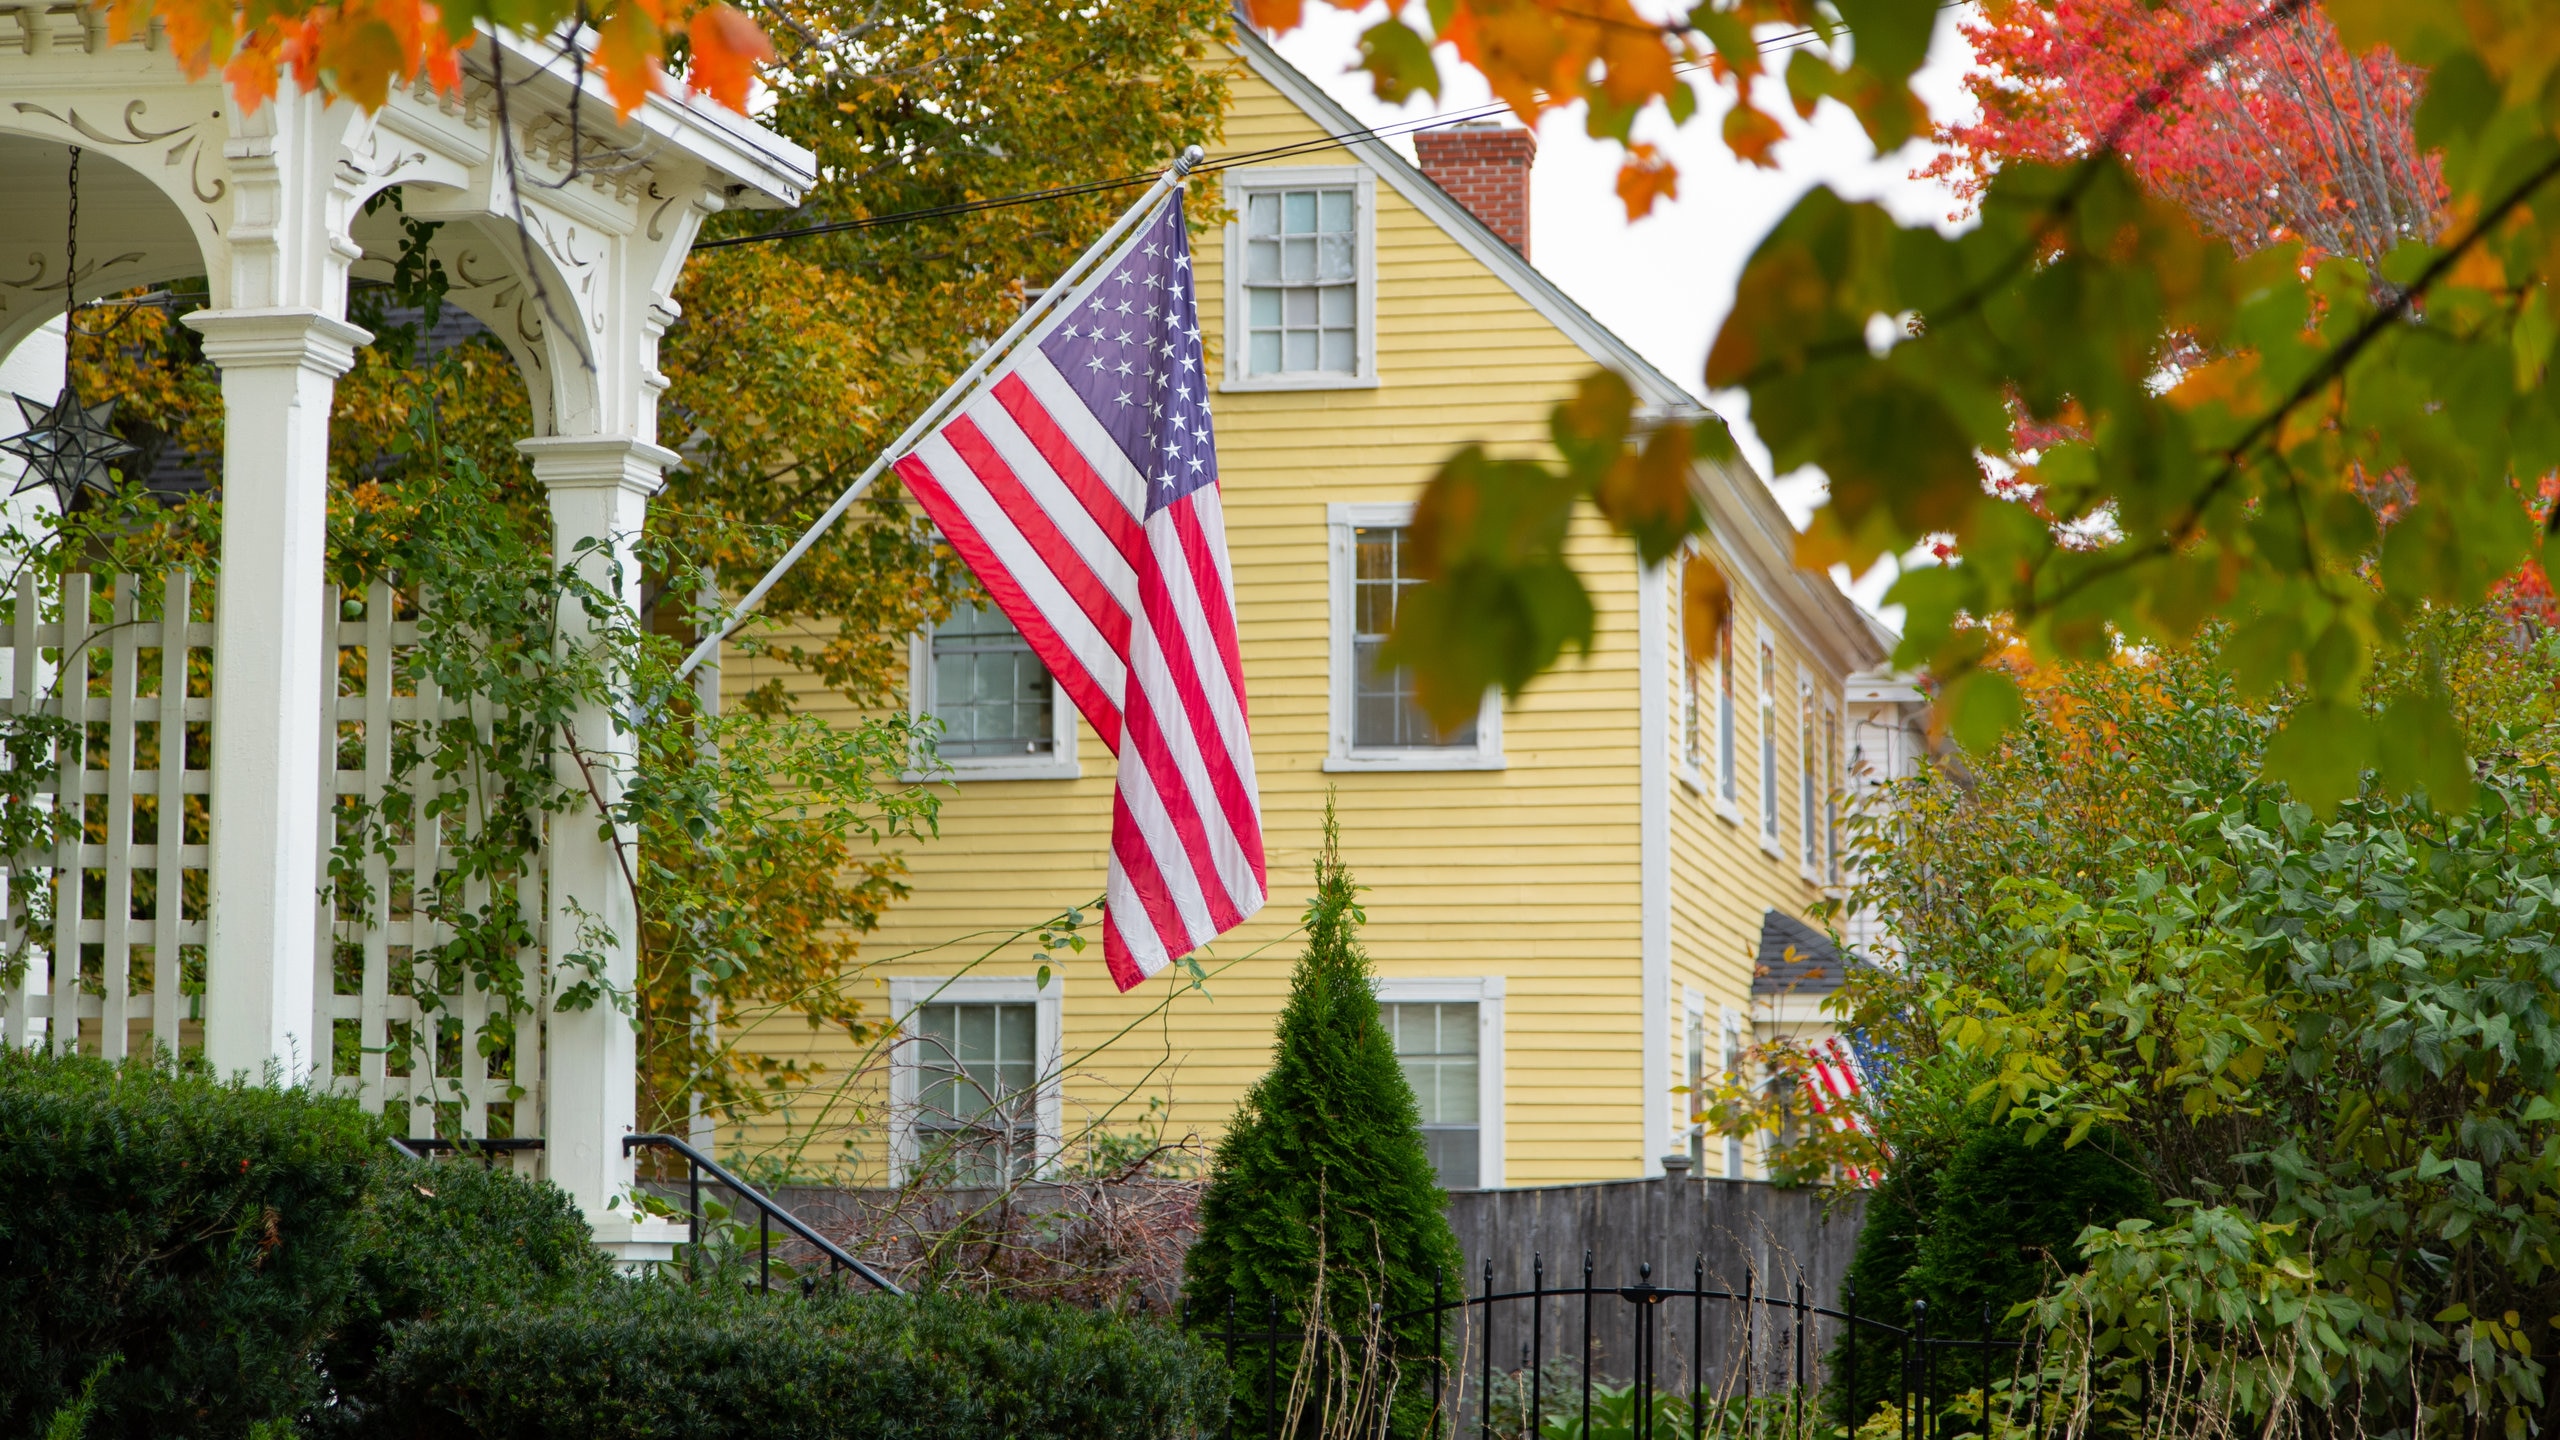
(1648, 1360)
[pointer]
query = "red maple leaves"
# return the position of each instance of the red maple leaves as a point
(2285, 136)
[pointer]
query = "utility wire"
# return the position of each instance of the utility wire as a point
(1793, 39)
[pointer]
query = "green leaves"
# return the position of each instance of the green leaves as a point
(1502, 604)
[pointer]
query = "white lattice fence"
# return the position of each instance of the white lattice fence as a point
(113, 946)
(382, 936)
(131, 883)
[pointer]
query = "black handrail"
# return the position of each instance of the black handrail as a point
(768, 1212)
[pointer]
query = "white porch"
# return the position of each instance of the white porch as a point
(568, 251)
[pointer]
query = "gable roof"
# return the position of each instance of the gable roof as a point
(1753, 529)
(1795, 959)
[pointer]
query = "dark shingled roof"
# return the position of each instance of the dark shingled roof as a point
(1814, 967)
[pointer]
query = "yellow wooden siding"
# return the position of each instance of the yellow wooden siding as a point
(1530, 873)
(1722, 878)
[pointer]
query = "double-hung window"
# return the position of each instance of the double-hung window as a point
(1378, 720)
(1808, 763)
(1448, 1037)
(975, 1088)
(1769, 743)
(1436, 1044)
(1728, 781)
(1832, 781)
(1000, 713)
(1301, 269)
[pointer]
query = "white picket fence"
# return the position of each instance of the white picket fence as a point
(118, 680)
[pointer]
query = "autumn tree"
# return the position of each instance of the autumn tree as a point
(2288, 137)
(794, 361)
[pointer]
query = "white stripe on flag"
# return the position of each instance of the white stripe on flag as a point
(1022, 562)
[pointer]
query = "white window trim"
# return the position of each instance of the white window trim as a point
(906, 1059)
(1808, 794)
(1835, 782)
(1773, 794)
(1693, 1021)
(1059, 764)
(1364, 229)
(1728, 739)
(1729, 1061)
(1485, 993)
(1341, 755)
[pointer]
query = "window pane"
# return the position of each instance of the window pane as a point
(1383, 713)
(1264, 358)
(1436, 1044)
(1300, 308)
(1336, 353)
(990, 692)
(1334, 210)
(1263, 305)
(1298, 350)
(1334, 305)
(1298, 258)
(1333, 258)
(1262, 262)
(1300, 206)
(1262, 215)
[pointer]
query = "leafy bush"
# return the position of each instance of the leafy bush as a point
(642, 1358)
(1322, 1198)
(439, 1237)
(202, 1235)
(1974, 1230)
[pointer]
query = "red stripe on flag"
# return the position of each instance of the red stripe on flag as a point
(1107, 508)
(1001, 587)
(1148, 742)
(1208, 738)
(1115, 955)
(1004, 487)
(1138, 862)
(1211, 585)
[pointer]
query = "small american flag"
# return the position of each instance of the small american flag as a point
(1080, 483)
(1833, 1087)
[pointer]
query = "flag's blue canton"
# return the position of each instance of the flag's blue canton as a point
(1131, 349)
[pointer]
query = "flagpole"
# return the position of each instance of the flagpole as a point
(1031, 315)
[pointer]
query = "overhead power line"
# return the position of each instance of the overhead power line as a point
(1791, 40)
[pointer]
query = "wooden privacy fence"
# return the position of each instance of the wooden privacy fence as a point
(1749, 1236)
(109, 687)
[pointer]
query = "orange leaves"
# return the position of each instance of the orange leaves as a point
(1750, 133)
(727, 48)
(1277, 16)
(1644, 177)
(627, 50)
(1706, 602)
(361, 49)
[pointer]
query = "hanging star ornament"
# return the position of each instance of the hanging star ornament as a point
(68, 446)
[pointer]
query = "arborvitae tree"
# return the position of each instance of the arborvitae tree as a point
(1323, 1198)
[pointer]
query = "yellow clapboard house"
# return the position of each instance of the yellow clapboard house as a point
(1565, 899)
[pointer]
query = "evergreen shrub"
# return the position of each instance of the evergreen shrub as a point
(1322, 1196)
(196, 1239)
(646, 1358)
(1975, 1231)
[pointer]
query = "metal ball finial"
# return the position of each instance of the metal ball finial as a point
(1190, 157)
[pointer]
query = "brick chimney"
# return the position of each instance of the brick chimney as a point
(1484, 167)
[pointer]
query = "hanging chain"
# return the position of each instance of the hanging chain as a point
(70, 271)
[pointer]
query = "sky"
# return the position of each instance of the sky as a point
(1665, 282)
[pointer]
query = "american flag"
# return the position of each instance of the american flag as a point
(1833, 1088)
(1080, 483)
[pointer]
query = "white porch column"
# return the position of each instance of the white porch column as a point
(279, 371)
(600, 489)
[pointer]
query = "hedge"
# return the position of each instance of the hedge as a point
(226, 1260)
(200, 1236)
(658, 1360)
